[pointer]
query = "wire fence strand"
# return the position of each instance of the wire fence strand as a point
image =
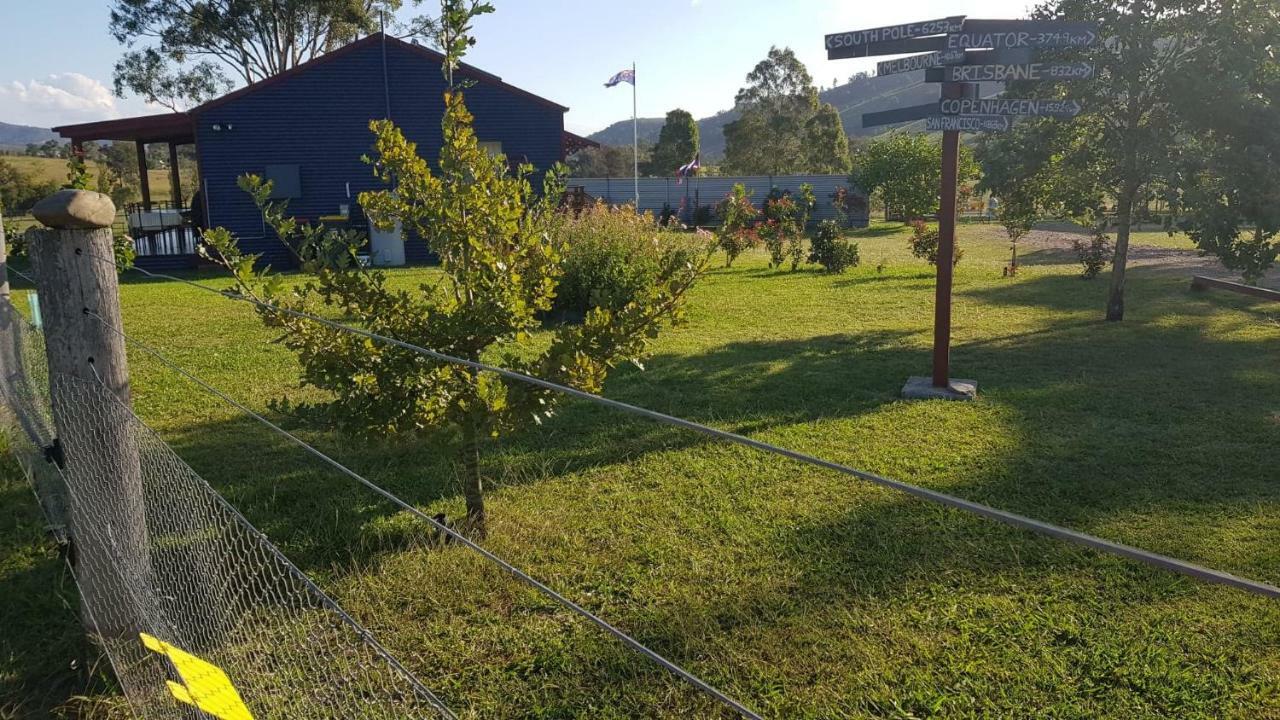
(1094, 542)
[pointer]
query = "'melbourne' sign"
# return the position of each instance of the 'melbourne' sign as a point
(1010, 106)
(854, 38)
(919, 62)
(1009, 73)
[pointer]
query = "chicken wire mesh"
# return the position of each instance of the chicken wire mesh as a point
(200, 615)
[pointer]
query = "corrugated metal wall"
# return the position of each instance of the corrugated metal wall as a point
(655, 193)
(319, 119)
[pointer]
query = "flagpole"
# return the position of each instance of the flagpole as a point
(635, 138)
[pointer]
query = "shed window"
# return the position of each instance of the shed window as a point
(493, 147)
(286, 181)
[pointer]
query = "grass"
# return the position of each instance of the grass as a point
(803, 593)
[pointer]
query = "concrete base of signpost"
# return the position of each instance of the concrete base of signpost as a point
(921, 388)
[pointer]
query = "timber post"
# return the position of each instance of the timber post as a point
(76, 277)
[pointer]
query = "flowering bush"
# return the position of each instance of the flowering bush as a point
(612, 256)
(737, 217)
(783, 229)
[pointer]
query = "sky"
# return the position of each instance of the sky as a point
(57, 55)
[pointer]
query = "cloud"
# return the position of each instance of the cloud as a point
(59, 99)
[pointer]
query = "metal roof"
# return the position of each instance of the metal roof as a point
(179, 127)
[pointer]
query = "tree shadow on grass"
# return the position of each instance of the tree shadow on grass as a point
(1113, 378)
(875, 231)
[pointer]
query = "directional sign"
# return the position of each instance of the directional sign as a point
(1008, 106)
(855, 38)
(1009, 73)
(899, 115)
(919, 62)
(968, 123)
(1014, 56)
(998, 34)
(890, 47)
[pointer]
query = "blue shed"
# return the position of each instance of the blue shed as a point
(307, 129)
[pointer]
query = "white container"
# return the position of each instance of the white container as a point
(386, 247)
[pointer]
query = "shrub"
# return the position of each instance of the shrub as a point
(924, 243)
(737, 217)
(1093, 254)
(783, 229)
(830, 250)
(703, 215)
(612, 255)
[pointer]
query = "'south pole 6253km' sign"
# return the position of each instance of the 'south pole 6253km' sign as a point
(960, 53)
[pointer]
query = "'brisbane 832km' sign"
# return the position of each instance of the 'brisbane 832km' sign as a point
(963, 52)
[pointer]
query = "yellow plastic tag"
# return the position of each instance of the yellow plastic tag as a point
(204, 685)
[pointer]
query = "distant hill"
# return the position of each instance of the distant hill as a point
(19, 136)
(860, 95)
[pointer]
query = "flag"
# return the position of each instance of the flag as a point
(690, 168)
(624, 76)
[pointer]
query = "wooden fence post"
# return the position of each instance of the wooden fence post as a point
(4, 261)
(76, 275)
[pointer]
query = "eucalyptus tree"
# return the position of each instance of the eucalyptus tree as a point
(782, 126)
(182, 52)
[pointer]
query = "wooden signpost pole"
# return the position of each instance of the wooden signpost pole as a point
(959, 53)
(946, 251)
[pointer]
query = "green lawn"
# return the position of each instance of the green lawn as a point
(803, 593)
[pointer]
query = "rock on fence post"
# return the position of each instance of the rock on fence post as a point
(75, 276)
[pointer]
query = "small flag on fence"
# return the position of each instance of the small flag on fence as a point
(689, 168)
(624, 76)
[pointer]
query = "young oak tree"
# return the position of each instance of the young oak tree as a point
(500, 256)
(1119, 147)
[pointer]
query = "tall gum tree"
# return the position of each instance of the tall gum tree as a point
(179, 52)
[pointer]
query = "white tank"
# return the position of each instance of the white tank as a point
(386, 247)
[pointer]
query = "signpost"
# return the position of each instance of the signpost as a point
(899, 115)
(919, 62)
(1010, 56)
(967, 123)
(1009, 106)
(854, 38)
(1010, 73)
(959, 53)
(1000, 34)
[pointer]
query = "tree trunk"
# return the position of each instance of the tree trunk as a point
(472, 489)
(1124, 221)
